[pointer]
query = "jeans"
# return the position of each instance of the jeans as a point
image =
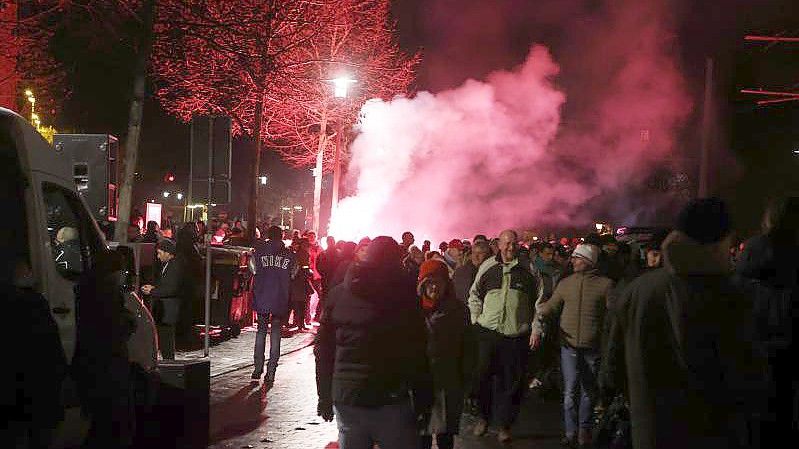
(580, 367)
(274, 343)
(506, 359)
(390, 426)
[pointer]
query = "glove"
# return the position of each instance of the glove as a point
(325, 410)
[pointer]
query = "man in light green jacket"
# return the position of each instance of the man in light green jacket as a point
(502, 307)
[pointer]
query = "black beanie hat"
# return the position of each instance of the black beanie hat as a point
(705, 220)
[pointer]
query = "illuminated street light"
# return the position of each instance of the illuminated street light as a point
(341, 85)
(166, 194)
(297, 207)
(263, 180)
(180, 196)
(28, 93)
(796, 151)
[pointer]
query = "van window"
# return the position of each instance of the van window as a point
(69, 231)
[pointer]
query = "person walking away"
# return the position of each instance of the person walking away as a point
(272, 265)
(346, 259)
(301, 288)
(580, 301)
(166, 294)
(446, 318)
(151, 235)
(314, 251)
(372, 372)
(190, 307)
(768, 269)
(681, 342)
(326, 264)
(501, 304)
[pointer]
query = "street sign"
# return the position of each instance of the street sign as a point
(220, 191)
(210, 132)
(210, 157)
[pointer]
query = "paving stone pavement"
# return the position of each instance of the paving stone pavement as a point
(246, 415)
(236, 353)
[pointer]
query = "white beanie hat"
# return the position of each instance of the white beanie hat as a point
(587, 252)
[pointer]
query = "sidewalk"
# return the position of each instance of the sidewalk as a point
(236, 353)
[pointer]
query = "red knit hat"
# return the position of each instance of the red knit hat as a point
(433, 267)
(455, 243)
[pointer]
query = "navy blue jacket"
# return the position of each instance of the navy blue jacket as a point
(274, 265)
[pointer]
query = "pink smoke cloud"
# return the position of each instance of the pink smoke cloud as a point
(496, 154)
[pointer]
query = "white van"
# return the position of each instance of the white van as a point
(50, 212)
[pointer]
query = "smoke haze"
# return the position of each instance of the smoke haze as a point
(530, 146)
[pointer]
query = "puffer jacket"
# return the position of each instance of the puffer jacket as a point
(371, 345)
(503, 296)
(581, 301)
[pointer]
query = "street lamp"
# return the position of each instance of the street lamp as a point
(263, 180)
(341, 85)
(180, 196)
(166, 194)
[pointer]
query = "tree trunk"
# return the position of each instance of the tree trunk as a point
(318, 171)
(252, 209)
(134, 123)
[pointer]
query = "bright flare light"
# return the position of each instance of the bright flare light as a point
(341, 86)
(166, 194)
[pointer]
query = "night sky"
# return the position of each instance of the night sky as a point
(754, 157)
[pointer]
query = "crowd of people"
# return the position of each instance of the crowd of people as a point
(691, 339)
(688, 333)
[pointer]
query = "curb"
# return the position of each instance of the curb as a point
(243, 365)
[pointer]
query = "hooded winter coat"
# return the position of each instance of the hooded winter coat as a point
(768, 272)
(370, 347)
(680, 341)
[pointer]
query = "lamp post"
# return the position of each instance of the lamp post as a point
(342, 85)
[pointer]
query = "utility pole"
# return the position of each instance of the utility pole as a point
(707, 131)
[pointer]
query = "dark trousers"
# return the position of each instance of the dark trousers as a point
(166, 341)
(443, 441)
(504, 359)
(299, 311)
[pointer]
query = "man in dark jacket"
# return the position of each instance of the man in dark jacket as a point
(463, 278)
(272, 264)
(371, 362)
(682, 332)
(768, 270)
(166, 294)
